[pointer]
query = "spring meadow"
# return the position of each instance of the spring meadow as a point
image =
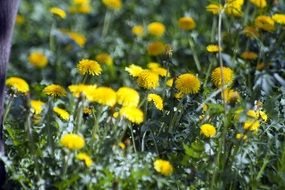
(158, 94)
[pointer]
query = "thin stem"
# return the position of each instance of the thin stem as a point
(196, 60)
(10, 101)
(133, 138)
(107, 20)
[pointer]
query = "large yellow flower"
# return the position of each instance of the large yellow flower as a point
(259, 3)
(156, 48)
(157, 100)
(112, 4)
(128, 97)
(89, 67)
(37, 106)
(81, 89)
(102, 95)
(104, 58)
(163, 166)
(187, 83)
(72, 141)
(148, 79)
(227, 73)
(58, 12)
(279, 18)
(63, 114)
(54, 90)
(156, 29)
(208, 130)
(133, 114)
(38, 59)
(186, 23)
(85, 158)
(134, 70)
(265, 23)
(18, 85)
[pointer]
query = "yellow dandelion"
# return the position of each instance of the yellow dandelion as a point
(72, 141)
(81, 89)
(251, 31)
(186, 23)
(241, 136)
(157, 100)
(63, 114)
(249, 55)
(263, 116)
(80, 6)
(230, 96)
(138, 30)
(102, 95)
(58, 12)
(85, 158)
(89, 67)
(187, 83)
(163, 166)
(133, 114)
(122, 146)
(156, 48)
(128, 97)
(104, 58)
(54, 90)
(212, 48)
(18, 85)
(148, 79)
(265, 23)
(38, 59)
(251, 125)
(227, 73)
(79, 39)
(279, 18)
(156, 29)
(37, 106)
(155, 67)
(134, 70)
(259, 3)
(113, 4)
(20, 20)
(208, 130)
(169, 82)
(234, 7)
(214, 8)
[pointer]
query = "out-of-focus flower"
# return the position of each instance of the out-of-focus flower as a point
(102, 95)
(18, 85)
(157, 100)
(85, 158)
(249, 55)
(20, 20)
(54, 90)
(163, 166)
(156, 29)
(214, 8)
(81, 89)
(72, 141)
(38, 59)
(63, 114)
(37, 106)
(113, 4)
(104, 58)
(138, 30)
(234, 7)
(58, 12)
(128, 97)
(80, 6)
(230, 96)
(156, 48)
(212, 48)
(79, 39)
(259, 3)
(251, 31)
(265, 23)
(279, 18)
(208, 130)
(186, 23)
(134, 70)
(133, 114)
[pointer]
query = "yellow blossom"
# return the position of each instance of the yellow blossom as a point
(134, 70)
(251, 31)
(214, 8)
(208, 130)
(138, 30)
(81, 89)
(37, 106)
(104, 58)
(212, 48)
(187, 84)
(20, 20)
(90, 67)
(128, 97)
(148, 79)
(155, 67)
(156, 29)
(85, 158)
(102, 95)
(38, 59)
(241, 136)
(112, 4)
(133, 114)
(157, 100)
(227, 73)
(249, 55)
(169, 82)
(63, 114)
(54, 90)
(251, 124)
(72, 141)
(80, 6)
(156, 48)
(122, 146)
(279, 18)
(79, 39)
(259, 3)
(234, 7)
(186, 23)
(163, 166)
(265, 23)
(17, 84)
(230, 96)
(58, 12)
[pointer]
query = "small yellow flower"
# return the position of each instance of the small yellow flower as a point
(156, 48)
(169, 82)
(259, 3)
(104, 58)
(186, 23)
(37, 106)
(133, 114)
(138, 30)
(85, 158)
(102, 95)
(38, 59)
(128, 97)
(89, 67)
(122, 146)
(230, 96)
(253, 114)
(72, 141)
(249, 55)
(279, 18)
(263, 116)
(234, 7)
(63, 114)
(251, 31)
(113, 4)
(265, 23)
(241, 136)
(20, 20)
(18, 85)
(251, 124)
(188, 84)
(156, 29)
(155, 67)
(58, 12)
(212, 48)
(79, 39)
(208, 130)
(214, 8)
(81, 89)
(134, 70)
(54, 90)
(227, 73)
(148, 79)
(163, 166)
(157, 100)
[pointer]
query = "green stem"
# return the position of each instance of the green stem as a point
(10, 101)
(133, 138)
(107, 20)
(196, 60)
